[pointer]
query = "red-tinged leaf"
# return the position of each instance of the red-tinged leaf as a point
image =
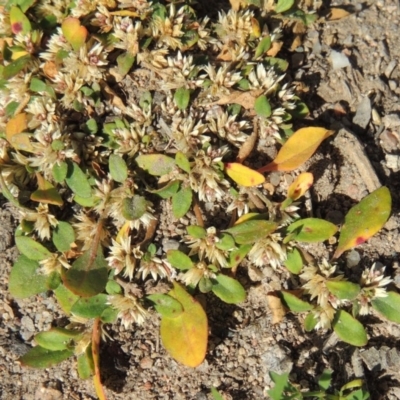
(88, 275)
(243, 175)
(46, 193)
(185, 337)
(298, 149)
(16, 125)
(19, 21)
(74, 32)
(364, 220)
(300, 185)
(310, 230)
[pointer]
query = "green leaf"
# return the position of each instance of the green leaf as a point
(31, 249)
(262, 107)
(182, 98)
(38, 357)
(134, 207)
(112, 287)
(215, 394)
(263, 46)
(324, 380)
(60, 171)
(91, 126)
(166, 305)
(24, 281)
(388, 306)
(19, 21)
(196, 232)
(225, 243)
(179, 260)
(294, 261)
(250, 231)
(15, 67)
(182, 162)
(283, 5)
(56, 338)
(293, 303)
(125, 62)
(185, 337)
(118, 168)
(301, 110)
(88, 275)
(237, 256)
(53, 280)
(281, 383)
(181, 202)
(74, 32)
(168, 190)
(90, 307)
(109, 315)
(343, 290)
(364, 220)
(63, 236)
(205, 285)
(65, 298)
(37, 85)
(77, 181)
(228, 289)
(156, 164)
(85, 364)
(311, 230)
(85, 202)
(310, 322)
(349, 329)
(279, 64)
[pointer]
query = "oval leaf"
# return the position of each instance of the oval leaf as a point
(243, 175)
(38, 357)
(90, 307)
(364, 220)
(262, 106)
(343, 290)
(182, 98)
(63, 236)
(74, 32)
(349, 329)
(197, 232)
(168, 190)
(228, 289)
(24, 281)
(182, 162)
(252, 230)
(263, 46)
(310, 322)
(134, 207)
(60, 171)
(294, 261)
(179, 260)
(298, 149)
(31, 249)
(56, 338)
(293, 303)
(388, 306)
(166, 305)
(185, 337)
(181, 202)
(283, 5)
(118, 168)
(65, 298)
(156, 164)
(311, 230)
(16, 125)
(19, 21)
(77, 181)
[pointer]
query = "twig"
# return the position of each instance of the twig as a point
(197, 212)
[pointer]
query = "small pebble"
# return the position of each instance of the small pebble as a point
(390, 68)
(363, 113)
(338, 60)
(352, 259)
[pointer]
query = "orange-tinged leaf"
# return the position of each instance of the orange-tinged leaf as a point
(337, 13)
(364, 220)
(185, 337)
(16, 125)
(300, 185)
(298, 149)
(74, 32)
(243, 175)
(21, 141)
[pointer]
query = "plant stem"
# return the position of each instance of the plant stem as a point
(96, 336)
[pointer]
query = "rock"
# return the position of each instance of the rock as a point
(276, 359)
(363, 113)
(352, 259)
(338, 60)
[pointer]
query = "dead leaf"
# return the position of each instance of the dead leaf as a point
(247, 147)
(115, 99)
(50, 69)
(225, 54)
(337, 13)
(245, 99)
(297, 41)
(235, 4)
(276, 307)
(299, 28)
(275, 49)
(15, 125)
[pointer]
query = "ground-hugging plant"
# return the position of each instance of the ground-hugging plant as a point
(90, 167)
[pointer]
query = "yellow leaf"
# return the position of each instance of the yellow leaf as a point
(22, 141)
(185, 337)
(74, 32)
(46, 193)
(247, 217)
(298, 149)
(243, 175)
(300, 185)
(16, 125)
(18, 54)
(123, 232)
(125, 13)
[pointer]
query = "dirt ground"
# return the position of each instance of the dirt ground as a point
(360, 99)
